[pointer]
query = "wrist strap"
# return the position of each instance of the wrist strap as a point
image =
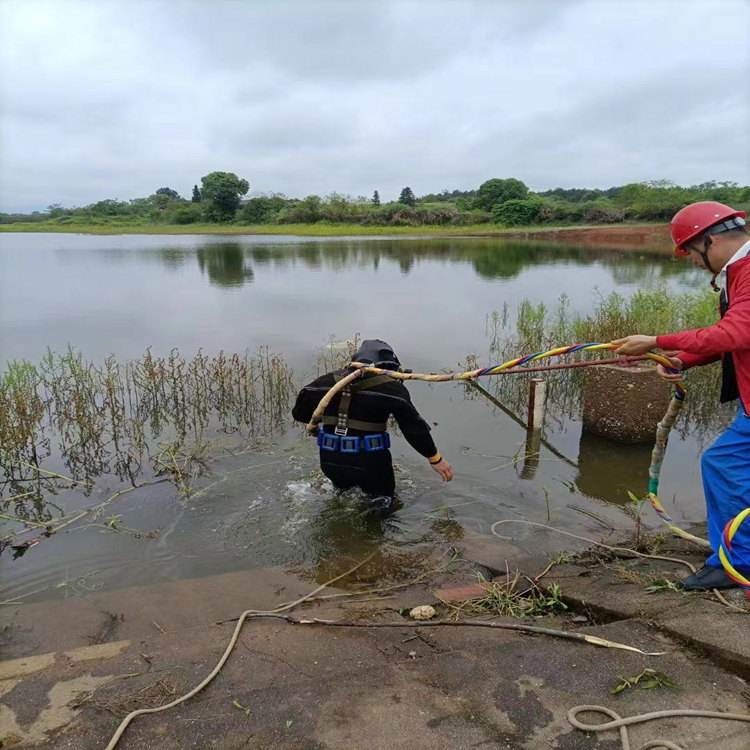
(436, 459)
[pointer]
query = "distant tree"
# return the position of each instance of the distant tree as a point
(171, 194)
(222, 192)
(376, 198)
(495, 191)
(307, 211)
(517, 212)
(407, 197)
(196, 194)
(261, 210)
(448, 196)
(109, 207)
(55, 210)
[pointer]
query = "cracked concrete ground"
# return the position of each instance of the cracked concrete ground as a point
(303, 687)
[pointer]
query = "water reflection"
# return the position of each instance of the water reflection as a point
(230, 263)
(225, 264)
(608, 470)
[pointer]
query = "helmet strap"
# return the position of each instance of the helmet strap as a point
(707, 242)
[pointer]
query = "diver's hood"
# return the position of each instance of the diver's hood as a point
(377, 353)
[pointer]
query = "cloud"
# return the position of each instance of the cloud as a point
(114, 99)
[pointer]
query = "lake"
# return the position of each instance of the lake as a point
(262, 501)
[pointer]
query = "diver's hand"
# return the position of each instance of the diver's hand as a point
(444, 469)
(672, 377)
(635, 345)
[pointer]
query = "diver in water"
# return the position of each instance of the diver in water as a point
(353, 438)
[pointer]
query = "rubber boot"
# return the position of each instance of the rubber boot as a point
(707, 578)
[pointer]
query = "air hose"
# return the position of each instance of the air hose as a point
(518, 365)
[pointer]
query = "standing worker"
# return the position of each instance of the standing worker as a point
(714, 237)
(353, 437)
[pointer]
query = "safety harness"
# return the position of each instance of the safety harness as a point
(340, 440)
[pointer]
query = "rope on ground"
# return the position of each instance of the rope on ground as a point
(618, 722)
(278, 614)
(611, 548)
(230, 647)
(592, 640)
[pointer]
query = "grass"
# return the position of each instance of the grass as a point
(319, 229)
(509, 599)
(648, 679)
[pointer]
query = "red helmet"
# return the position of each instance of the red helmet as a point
(693, 220)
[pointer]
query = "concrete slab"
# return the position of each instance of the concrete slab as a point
(617, 591)
(289, 687)
(311, 687)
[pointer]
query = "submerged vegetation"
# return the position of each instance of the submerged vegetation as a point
(219, 205)
(67, 421)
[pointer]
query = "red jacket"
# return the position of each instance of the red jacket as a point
(731, 334)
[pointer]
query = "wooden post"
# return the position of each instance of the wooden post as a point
(537, 401)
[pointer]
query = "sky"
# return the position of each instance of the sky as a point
(106, 99)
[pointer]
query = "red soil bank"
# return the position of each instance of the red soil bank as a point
(650, 237)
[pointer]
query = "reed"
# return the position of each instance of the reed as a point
(150, 416)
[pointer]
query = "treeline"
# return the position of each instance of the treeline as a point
(505, 202)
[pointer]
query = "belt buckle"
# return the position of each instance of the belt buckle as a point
(340, 431)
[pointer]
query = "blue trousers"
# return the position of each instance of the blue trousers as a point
(725, 468)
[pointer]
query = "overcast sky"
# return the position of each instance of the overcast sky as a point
(115, 99)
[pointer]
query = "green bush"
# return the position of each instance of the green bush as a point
(261, 210)
(515, 213)
(189, 214)
(601, 212)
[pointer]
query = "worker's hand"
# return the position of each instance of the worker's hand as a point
(671, 377)
(635, 345)
(444, 469)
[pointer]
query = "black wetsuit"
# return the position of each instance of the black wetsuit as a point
(371, 471)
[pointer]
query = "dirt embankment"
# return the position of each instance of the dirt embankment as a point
(644, 237)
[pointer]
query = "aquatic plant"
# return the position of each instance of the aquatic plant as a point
(146, 417)
(336, 355)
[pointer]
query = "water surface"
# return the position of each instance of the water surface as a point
(430, 298)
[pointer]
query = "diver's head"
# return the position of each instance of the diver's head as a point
(378, 354)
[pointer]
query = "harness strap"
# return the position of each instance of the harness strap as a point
(371, 382)
(341, 421)
(358, 424)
